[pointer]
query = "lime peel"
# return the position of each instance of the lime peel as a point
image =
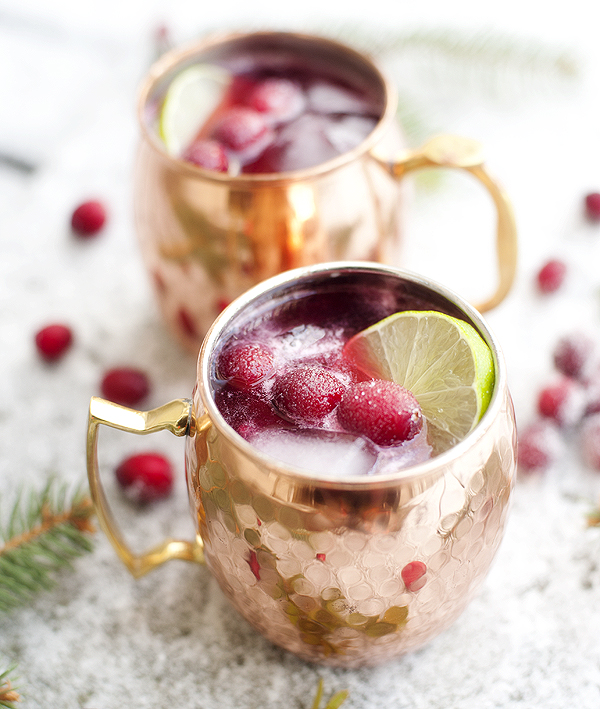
(441, 359)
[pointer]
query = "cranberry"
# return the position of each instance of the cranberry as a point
(209, 154)
(240, 128)
(125, 385)
(572, 353)
(245, 365)
(88, 218)
(413, 575)
(590, 441)
(538, 446)
(551, 276)
(281, 99)
(306, 394)
(562, 401)
(246, 412)
(53, 341)
(145, 477)
(381, 410)
(592, 206)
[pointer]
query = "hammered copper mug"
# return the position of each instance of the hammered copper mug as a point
(206, 237)
(315, 562)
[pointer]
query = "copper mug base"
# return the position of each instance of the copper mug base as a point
(317, 564)
(206, 237)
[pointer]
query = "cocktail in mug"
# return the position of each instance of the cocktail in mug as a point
(267, 151)
(346, 529)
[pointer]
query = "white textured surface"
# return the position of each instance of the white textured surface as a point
(101, 640)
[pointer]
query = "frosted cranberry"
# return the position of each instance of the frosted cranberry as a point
(246, 412)
(88, 218)
(125, 385)
(538, 446)
(413, 575)
(53, 341)
(245, 364)
(209, 154)
(240, 128)
(383, 411)
(562, 401)
(590, 441)
(145, 477)
(281, 99)
(572, 353)
(551, 276)
(592, 206)
(306, 394)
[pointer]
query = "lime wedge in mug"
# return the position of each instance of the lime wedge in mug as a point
(442, 360)
(191, 98)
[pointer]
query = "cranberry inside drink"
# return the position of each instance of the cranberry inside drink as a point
(281, 110)
(282, 382)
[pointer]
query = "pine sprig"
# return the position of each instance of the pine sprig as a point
(336, 701)
(44, 533)
(8, 693)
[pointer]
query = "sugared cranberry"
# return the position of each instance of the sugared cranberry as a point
(125, 385)
(240, 128)
(590, 441)
(306, 394)
(53, 341)
(88, 218)
(562, 401)
(413, 575)
(209, 154)
(572, 353)
(592, 206)
(246, 412)
(551, 276)
(281, 99)
(145, 477)
(538, 447)
(383, 411)
(245, 364)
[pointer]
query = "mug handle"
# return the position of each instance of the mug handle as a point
(175, 417)
(466, 154)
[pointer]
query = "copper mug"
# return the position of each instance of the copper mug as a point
(315, 562)
(206, 237)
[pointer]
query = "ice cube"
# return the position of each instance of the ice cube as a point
(326, 98)
(320, 453)
(347, 132)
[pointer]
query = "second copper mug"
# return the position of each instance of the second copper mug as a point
(206, 237)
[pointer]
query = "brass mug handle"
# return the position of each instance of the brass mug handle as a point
(176, 417)
(466, 154)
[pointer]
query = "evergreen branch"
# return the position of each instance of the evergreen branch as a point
(334, 703)
(8, 694)
(44, 533)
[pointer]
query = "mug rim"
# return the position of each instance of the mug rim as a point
(430, 468)
(179, 55)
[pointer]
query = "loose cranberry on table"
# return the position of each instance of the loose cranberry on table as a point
(245, 365)
(145, 477)
(563, 401)
(88, 218)
(592, 206)
(572, 353)
(381, 410)
(125, 385)
(307, 394)
(539, 444)
(590, 441)
(53, 341)
(209, 154)
(551, 276)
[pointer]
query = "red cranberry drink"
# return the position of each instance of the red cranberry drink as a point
(253, 111)
(352, 381)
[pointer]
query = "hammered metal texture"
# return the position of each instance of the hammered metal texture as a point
(317, 568)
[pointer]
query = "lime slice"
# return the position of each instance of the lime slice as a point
(443, 361)
(191, 98)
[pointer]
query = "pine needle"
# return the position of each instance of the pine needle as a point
(8, 694)
(44, 533)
